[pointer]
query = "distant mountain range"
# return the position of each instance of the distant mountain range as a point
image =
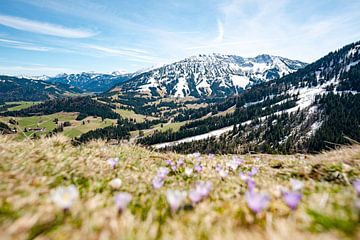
(23, 89)
(210, 75)
(197, 76)
(92, 82)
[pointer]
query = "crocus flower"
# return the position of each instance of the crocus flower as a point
(157, 182)
(195, 196)
(64, 197)
(180, 162)
(243, 176)
(198, 168)
(204, 188)
(256, 201)
(175, 198)
(174, 168)
(188, 171)
(211, 156)
(237, 160)
(296, 185)
(292, 199)
(163, 172)
(169, 162)
(223, 173)
(253, 172)
(218, 168)
(122, 200)
(196, 155)
(356, 185)
(115, 183)
(113, 162)
(250, 184)
(233, 165)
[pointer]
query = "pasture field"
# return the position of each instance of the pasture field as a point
(47, 122)
(21, 105)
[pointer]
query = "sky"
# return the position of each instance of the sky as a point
(48, 37)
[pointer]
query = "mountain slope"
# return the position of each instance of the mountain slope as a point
(22, 89)
(309, 110)
(210, 75)
(92, 82)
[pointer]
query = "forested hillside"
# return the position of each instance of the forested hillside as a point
(21, 89)
(86, 106)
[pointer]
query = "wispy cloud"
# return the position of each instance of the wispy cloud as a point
(31, 70)
(135, 54)
(23, 45)
(44, 28)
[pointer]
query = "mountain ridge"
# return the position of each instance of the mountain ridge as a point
(209, 75)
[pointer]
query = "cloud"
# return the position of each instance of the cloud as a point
(22, 45)
(44, 28)
(135, 54)
(221, 32)
(34, 70)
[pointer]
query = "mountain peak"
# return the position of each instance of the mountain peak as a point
(213, 74)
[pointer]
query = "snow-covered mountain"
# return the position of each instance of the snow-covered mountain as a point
(308, 110)
(210, 75)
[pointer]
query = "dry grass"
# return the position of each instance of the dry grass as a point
(30, 169)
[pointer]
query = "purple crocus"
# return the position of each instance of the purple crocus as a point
(253, 172)
(157, 182)
(243, 176)
(218, 168)
(112, 162)
(180, 162)
(356, 185)
(122, 200)
(201, 191)
(174, 168)
(256, 201)
(292, 199)
(163, 172)
(195, 196)
(169, 162)
(204, 188)
(211, 156)
(250, 184)
(198, 168)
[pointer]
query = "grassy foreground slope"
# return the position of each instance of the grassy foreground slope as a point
(29, 170)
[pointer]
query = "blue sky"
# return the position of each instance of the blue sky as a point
(54, 36)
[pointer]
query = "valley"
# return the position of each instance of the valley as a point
(287, 114)
(184, 120)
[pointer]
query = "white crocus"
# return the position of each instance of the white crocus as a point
(188, 171)
(115, 183)
(175, 198)
(64, 197)
(223, 173)
(233, 165)
(296, 185)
